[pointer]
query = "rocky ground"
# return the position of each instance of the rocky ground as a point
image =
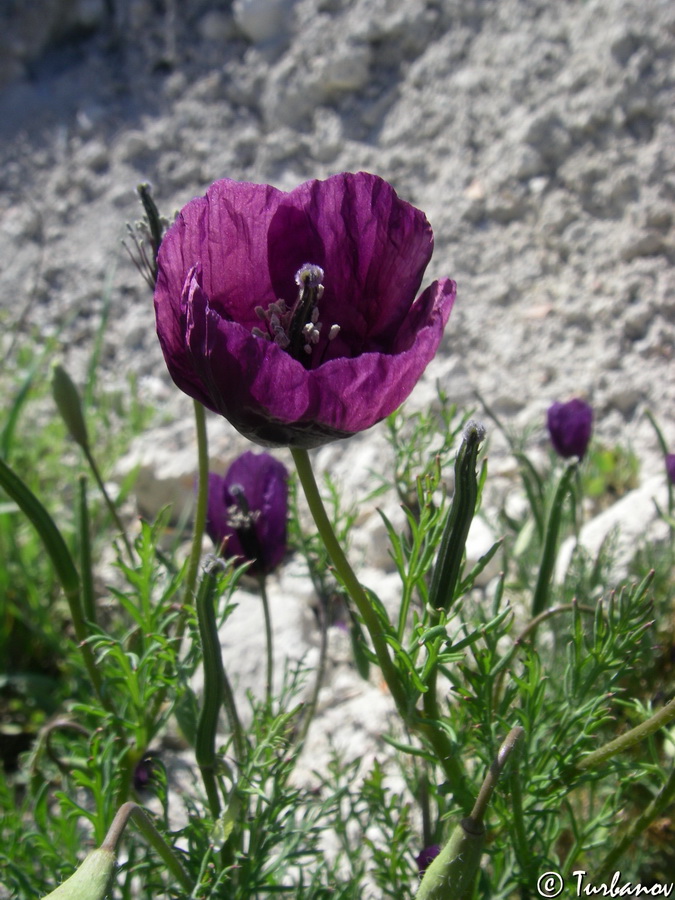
(538, 137)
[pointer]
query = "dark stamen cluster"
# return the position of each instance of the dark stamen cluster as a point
(297, 330)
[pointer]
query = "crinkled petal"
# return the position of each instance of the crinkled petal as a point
(272, 399)
(225, 232)
(373, 247)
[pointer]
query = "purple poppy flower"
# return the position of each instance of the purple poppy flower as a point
(426, 857)
(294, 314)
(247, 511)
(570, 425)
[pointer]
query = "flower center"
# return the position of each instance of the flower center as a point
(297, 329)
(240, 516)
(242, 519)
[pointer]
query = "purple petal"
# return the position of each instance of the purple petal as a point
(373, 248)
(670, 467)
(264, 481)
(426, 857)
(216, 511)
(272, 399)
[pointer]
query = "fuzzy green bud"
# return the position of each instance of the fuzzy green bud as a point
(451, 875)
(68, 402)
(91, 881)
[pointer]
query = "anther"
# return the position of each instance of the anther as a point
(309, 275)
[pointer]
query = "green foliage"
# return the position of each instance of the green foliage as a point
(577, 664)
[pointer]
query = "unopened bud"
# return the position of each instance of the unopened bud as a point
(68, 402)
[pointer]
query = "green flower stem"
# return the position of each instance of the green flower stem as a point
(214, 678)
(520, 843)
(262, 581)
(657, 807)
(86, 569)
(629, 739)
(548, 555)
(230, 707)
(346, 574)
(111, 506)
(202, 501)
(440, 742)
(446, 754)
(452, 874)
(217, 687)
(490, 782)
(448, 758)
(309, 710)
(69, 404)
(144, 824)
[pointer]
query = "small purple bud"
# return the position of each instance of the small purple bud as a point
(248, 509)
(426, 857)
(570, 425)
(143, 773)
(670, 467)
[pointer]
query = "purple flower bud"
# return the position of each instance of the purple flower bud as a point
(247, 511)
(294, 315)
(426, 857)
(143, 773)
(670, 467)
(570, 425)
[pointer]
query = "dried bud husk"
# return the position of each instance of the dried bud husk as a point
(91, 881)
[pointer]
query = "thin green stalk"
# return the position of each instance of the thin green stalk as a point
(522, 850)
(86, 570)
(142, 821)
(310, 709)
(452, 875)
(346, 574)
(442, 746)
(214, 678)
(529, 631)
(200, 511)
(549, 550)
(69, 405)
(627, 740)
(262, 581)
(446, 755)
(108, 502)
(509, 744)
(230, 707)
